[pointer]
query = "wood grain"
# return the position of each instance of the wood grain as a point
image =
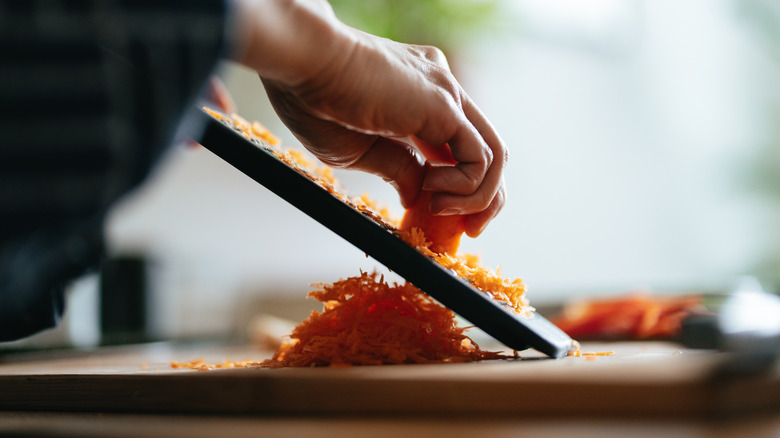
(641, 379)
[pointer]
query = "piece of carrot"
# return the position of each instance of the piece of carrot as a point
(443, 232)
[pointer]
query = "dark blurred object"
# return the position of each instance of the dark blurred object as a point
(92, 94)
(747, 324)
(33, 273)
(701, 331)
(123, 298)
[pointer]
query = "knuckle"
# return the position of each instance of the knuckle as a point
(434, 54)
(473, 182)
(482, 201)
(499, 201)
(445, 96)
(490, 201)
(487, 157)
(496, 202)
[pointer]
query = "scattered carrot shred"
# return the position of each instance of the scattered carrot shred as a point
(261, 131)
(202, 365)
(598, 353)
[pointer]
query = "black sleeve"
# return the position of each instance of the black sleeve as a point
(91, 92)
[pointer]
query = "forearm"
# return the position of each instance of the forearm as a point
(290, 41)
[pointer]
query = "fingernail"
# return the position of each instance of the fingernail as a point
(449, 212)
(428, 183)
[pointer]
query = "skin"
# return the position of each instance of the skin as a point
(357, 101)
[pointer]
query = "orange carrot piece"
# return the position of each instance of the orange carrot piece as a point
(443, 232)
(639, 316)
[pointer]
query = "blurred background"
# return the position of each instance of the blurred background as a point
(645, 152)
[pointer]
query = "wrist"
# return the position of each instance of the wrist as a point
(286, 41)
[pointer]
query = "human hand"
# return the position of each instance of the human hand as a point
(367, 103)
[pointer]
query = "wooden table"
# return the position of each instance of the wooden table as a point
(645, 387)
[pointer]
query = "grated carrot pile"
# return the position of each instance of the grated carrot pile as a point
(366, 321)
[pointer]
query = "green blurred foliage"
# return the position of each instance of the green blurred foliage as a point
(763, 179)
(446, 24)
(762, 19)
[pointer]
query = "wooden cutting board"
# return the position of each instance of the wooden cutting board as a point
(641, 378)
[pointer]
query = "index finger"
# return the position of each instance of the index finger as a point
(484, 196)
(473, 157)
